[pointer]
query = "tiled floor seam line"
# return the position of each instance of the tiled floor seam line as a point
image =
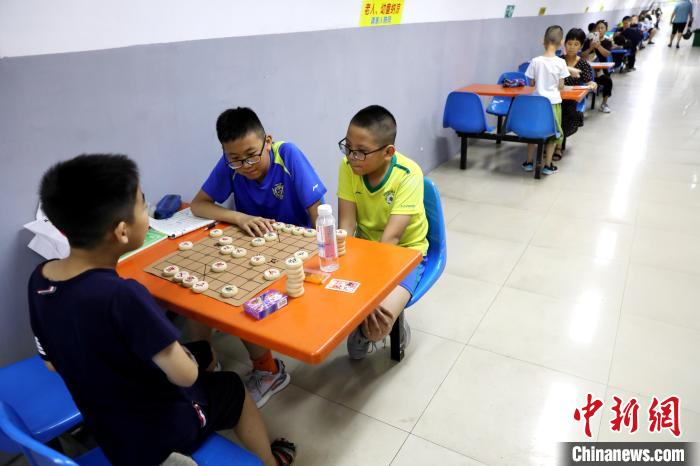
(535, 364)
(437, 390)
(450, 449)
(619, 319)
(350, 408)
(400, 448)
(459, 199)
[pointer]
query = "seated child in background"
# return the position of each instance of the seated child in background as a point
(380, 198)
(592, 33)
(141, 393)
(628, 38)
(548, 72)
(602, 50)
(270, 181)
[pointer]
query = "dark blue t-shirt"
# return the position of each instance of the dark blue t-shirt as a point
(101, 332)
(289, 188)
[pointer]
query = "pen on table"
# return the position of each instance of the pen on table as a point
(209, 227)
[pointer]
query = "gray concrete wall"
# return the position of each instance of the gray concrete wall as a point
(159, 103)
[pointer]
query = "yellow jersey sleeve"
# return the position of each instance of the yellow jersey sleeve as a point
(409, 196)
(345, 178)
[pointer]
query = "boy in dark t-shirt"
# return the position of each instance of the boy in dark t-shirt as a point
(141, 393)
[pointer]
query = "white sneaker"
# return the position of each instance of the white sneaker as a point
(262, 384)
(604, 108)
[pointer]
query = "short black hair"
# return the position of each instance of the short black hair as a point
(576, 34)
(602, 21)
(626, 18)
(236, 123)
(379, 121)
(86, 196)
(553, 35)
(591, 27)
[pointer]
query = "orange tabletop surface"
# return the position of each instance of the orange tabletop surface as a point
(597, 65)
(497, 90)
(309, 327)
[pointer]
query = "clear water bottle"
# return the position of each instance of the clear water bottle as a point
(325, 236)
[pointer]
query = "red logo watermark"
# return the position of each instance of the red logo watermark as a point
(663, 415)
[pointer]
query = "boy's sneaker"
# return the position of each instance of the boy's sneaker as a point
(604, 108)
(284, 451)
(549, 170)
(358, 344)
(263, 384)
(528, 166)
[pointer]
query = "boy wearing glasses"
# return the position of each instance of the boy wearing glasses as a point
(380, 198)
(270, 181)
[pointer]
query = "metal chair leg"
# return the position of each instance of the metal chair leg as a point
(538, 160)
(463, 153)
(396, 352)
(499, 128)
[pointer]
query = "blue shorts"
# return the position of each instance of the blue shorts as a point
(411, 281)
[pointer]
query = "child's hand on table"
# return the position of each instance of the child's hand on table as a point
(253, 226)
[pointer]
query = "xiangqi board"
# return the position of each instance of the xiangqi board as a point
(249, 279)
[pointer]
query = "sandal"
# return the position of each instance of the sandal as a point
(284, 451)
(557, 156)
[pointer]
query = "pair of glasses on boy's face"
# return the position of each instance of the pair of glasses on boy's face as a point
(356, 154)
(252, 160)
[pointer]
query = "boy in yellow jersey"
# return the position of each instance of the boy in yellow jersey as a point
(380, 198)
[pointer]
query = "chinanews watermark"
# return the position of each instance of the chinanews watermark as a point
(629, 416)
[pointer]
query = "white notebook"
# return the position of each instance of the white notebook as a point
(181, 223)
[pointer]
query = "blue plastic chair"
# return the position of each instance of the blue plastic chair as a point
(531, 118)
(523, 66)
(437, 239)
(436, 258)
(619, 52)
(581, 106)
(499, 106)
(216, 450)
(41, 399)
(464, 113)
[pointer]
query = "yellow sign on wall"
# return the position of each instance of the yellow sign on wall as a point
(381, 12)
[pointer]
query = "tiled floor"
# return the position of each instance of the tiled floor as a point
(587, 281)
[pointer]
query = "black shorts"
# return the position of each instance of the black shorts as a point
(224, 391)
(678, 28)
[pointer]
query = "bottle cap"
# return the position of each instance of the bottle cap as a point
(325, 209)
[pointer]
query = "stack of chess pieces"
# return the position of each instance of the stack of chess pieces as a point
(295, 274)
(340, 237)
(295, 266)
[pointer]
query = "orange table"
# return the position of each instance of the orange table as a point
(496, 90)
(309, 327)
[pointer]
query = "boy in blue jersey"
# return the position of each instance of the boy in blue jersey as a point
(141, 393)
(270, 181)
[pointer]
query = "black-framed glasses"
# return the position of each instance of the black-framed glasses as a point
(356, 154)
(252, 160)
